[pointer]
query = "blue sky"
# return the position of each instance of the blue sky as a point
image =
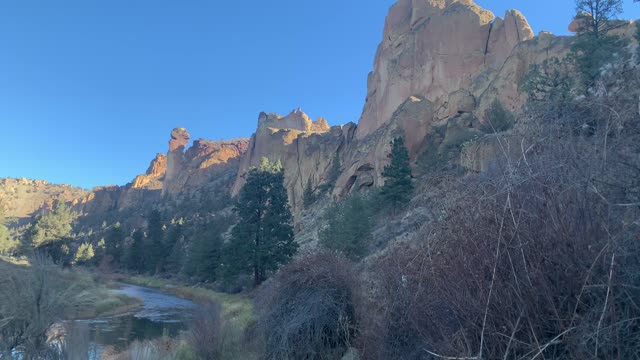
(90, 90)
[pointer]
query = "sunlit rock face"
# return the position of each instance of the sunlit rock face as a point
(305, 148)
(433, 49)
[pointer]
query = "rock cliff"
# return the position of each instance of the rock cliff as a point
(305, 148)
(177, 172)
(439, 66)
(437, 49)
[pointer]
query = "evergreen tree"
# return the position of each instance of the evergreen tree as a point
(50, 234)
(52, 227)
(594, 45)
(135, 253)
(84, 254)
(263, 238)
(349, 225)
(114, 243)
(175, 245)
(596, 16)
(156, 251)
(308, 197)
(7, 244)
(206, 249)
(100, 251)
(397, 186)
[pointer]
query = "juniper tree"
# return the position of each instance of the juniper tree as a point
(397, 186)
(263, 239)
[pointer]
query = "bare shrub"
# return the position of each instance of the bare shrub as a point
(205, 333)
(538, 259)
(31, 300)
(308, 311)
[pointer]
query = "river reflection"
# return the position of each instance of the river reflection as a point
(160, 314)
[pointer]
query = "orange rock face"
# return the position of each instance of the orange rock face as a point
(432, 49)
(152, 179)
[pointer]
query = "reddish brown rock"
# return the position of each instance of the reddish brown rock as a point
(152, 179)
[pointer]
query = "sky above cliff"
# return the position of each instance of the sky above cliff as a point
(90, 90)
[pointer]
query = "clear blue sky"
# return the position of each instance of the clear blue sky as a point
(90, 89)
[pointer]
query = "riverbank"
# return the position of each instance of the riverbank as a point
(100, 300)
(236, 318)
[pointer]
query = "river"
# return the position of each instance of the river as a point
(160, 314)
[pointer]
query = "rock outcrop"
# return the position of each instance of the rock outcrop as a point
(152, 179)
(435, 49)
(305, 148)
(175, 157)
(23, 198)
(440, 64)
(201, 163)
(179, 171)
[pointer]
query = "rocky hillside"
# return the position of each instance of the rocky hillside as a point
(23, 198)
(439, 66)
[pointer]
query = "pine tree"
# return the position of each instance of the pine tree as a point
(263, 238)
(114, 243)
(206, 249)
(595, 46)
(50, 234)
(397, 187)
(135, 253)
(175, 247)
(52, 227)
(156, 251)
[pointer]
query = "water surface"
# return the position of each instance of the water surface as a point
(160, 314)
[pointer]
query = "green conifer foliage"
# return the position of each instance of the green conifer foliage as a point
(114, 243)
(397, 185)
(156, 251)
(263, 238)
(8, 245)
(349, 225)
(206, 249)
(595, 46)
(174, 244)
(136, 254)
(52, 227)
